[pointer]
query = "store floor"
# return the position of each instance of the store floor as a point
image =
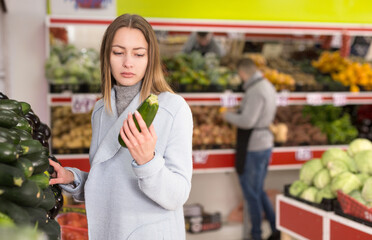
(229, 231)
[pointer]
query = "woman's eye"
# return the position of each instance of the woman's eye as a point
(140, 55)
(117, 53)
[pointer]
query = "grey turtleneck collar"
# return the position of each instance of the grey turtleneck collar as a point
(124, 95)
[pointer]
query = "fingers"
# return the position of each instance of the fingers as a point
(152, 132)
(55, 165)
(132, 141)
(141, 123)
(124, 137)
(56, 181)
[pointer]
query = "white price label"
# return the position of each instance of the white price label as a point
(314, 99)
(368, 215)
(83, 103)
(304, 154)
(229, 100)
(282, 99)
(339, 99)
(200, 157)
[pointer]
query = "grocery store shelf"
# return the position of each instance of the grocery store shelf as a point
(294, 218)
(217, 99)
(222, 160)
(176, 24)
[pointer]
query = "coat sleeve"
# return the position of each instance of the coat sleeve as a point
(167, 179)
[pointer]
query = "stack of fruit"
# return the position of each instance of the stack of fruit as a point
(26, 198)
(330, 62)
(348, 171)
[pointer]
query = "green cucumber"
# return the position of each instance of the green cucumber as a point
(23, 134)
(25, 107)
(29, 195)
(148, 109)
(5, 220)
(25, 165)
(23, 124)
(37, 215)
(8, 118)
(49, 200)
(31, 146)
(10, 104)
(39, 161)
(14, 211)
(41, 179)
(11, 176)
(52, 229)
(7, 135)
(8, 153)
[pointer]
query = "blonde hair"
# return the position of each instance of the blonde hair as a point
(153, 81)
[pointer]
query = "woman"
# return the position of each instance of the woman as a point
(135, 192)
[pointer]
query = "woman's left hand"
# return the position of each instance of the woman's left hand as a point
(141, 145)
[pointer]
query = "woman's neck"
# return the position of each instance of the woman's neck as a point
(124, 95)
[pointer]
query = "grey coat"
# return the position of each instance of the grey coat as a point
(127, 201)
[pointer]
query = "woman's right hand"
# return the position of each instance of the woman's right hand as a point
(63, 176)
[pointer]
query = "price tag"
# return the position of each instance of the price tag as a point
(83, 103)
(200, 157)
(339, 99)
(228, 99)
(282, 99)
(368, 215)
(304, 154)
(314, 99)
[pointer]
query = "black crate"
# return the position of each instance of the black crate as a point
(326, 204)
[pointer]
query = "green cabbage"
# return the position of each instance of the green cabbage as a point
(309, 169)
(357, 195)
(367, 190)
(322, 178)
(346, 182)
(336, 167)
(309, 194)
(297, 187)
(325, 192)
(358, 145)
(363, 160)
(337, 154)
(362, 177)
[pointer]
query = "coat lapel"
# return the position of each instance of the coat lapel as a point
(110, 125)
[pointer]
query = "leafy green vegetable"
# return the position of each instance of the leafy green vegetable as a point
(346, 182)
(362, 177)
(309, 169)
(357, 195)
(331, 121)
(358, 145)
(363, 160)
(309, 194)
(367, 190)
(336, 167)
(297, 187)
(326, 193)
(337, 154)
(322, 178)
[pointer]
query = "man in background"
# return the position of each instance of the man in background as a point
(254, 143)
(203, 42)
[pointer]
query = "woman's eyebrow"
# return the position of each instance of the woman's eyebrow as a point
(137, 48)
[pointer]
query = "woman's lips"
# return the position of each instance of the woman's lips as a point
(127, 74)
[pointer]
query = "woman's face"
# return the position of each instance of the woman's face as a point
(129, 56)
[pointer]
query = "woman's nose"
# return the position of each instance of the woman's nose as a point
(127, 62)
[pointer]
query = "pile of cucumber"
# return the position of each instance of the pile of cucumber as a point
(26, 198)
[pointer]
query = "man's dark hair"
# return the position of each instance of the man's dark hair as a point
(202, 34)
(246, 63)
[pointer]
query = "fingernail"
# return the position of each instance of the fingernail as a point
(137, 113)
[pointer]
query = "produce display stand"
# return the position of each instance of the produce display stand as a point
(222, 160)
(303, 221)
